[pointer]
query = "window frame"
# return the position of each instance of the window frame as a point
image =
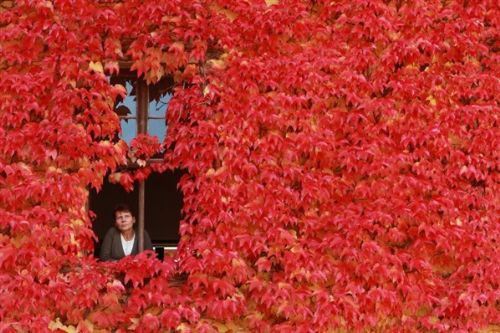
(142, 116)
(142, 98)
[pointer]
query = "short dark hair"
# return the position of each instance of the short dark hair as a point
(121, 207)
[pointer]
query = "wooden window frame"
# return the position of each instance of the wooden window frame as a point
(142, 96)
(142, 117)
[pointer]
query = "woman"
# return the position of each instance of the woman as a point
(121, 240)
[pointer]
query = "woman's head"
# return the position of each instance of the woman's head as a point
(124, 219)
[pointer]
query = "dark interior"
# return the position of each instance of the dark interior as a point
(163, 205)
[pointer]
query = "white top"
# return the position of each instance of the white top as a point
(127, 245)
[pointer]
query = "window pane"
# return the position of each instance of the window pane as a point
(128, 101)
(129, 130)
(158, 108)
(158, 128)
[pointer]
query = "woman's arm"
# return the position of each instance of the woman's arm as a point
(148, 245)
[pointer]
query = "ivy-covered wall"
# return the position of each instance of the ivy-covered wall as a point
(342, 164)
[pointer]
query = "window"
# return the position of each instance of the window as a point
(157, 201)
(144, 109)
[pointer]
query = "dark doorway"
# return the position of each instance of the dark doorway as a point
(163, 205)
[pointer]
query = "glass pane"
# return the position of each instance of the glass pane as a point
(158, 128)
(128, 101)
(158, 108)
(129, 130)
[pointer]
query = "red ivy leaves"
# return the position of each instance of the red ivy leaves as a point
(144, 147)
(342, 164)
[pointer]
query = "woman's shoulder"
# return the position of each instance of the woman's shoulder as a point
(111, 232)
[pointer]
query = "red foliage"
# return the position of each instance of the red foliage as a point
(341, 157)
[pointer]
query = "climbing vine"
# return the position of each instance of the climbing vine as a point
(341, 164)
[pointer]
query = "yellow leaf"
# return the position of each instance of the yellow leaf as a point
(96, 66)
(179, 46)
(182, 328)
(217, 63)
(135, 323)
(272, 2)
(18, 241)
(221, 327)
(206, 91)
(454, 140)
(57, 325)
(226, 12)
(238, 263)
(490, 329)
(77, 222)
(7, 4)
(114, 178)
(171, 19)
(394, 35)
(220, 170)
(154, 310)
(431, 100)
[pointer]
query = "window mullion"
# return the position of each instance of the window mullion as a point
(140, 227)
(142, 106)
(142, 128)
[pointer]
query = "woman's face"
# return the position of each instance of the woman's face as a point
(124, 221)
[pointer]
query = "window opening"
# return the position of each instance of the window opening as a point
(163, 206)
(143, 110)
